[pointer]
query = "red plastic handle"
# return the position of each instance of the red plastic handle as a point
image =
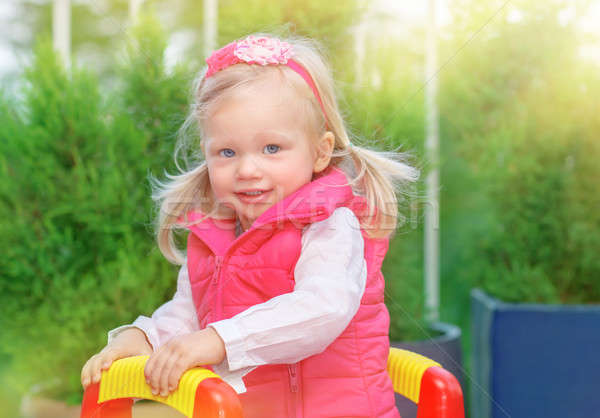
(214, 399)
(440, 395)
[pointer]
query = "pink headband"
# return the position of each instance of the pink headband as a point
(259, 50)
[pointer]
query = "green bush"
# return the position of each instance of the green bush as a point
(79, 257)
(519, 177)
(520, 126)
(76, 208)
(387, 113)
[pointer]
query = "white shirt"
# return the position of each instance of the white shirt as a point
(330, 277)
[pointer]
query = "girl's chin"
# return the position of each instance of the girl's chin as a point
(226, 210)
(250, 216)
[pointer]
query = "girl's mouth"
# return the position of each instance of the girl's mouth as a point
(256, 196)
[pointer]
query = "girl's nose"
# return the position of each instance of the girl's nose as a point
(249, 167)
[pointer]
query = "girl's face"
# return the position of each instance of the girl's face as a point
(258, 151)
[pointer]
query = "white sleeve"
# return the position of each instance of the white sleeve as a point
(330, 280)
(175, 317)
(178, 317)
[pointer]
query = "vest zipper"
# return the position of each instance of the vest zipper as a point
(217, 283)
(293, 378)
(293, 372)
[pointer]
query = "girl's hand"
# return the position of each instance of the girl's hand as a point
(165, 366)
(130, 342)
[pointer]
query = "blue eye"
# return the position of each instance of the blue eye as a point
(227, 152)
(272, 148)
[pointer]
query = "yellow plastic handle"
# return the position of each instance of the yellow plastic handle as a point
(200, 393)
(406, 370)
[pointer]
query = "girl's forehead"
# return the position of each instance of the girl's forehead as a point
(255, 111)
(271, 90)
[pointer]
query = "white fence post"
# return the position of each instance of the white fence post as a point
(134, 10)
(61, 29)
(210, 26)
(432, 275)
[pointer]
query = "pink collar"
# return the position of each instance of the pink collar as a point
(314, 201)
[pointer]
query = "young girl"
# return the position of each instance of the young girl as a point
(280, 290)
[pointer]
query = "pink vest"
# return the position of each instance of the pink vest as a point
(229, 274)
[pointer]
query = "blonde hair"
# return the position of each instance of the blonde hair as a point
(376, 175)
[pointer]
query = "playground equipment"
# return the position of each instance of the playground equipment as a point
(202, 394)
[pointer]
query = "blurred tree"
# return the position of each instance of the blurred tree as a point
(519, 125)
(99, 27)
(76, 209)
(519, 129)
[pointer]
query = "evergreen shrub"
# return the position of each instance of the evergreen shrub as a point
(78, 252)
(520, 124)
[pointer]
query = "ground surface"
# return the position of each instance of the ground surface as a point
(48, 408)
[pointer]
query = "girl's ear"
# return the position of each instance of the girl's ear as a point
(324, 149)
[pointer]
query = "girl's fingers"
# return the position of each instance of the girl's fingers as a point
(102, 362)
(106, 363)
(169, 368)
(92, 370)
(154, 368)
(85, 374)
(175, 375)
(149, 368)
(95, 369)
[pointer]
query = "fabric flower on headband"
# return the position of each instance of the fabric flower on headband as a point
(260, 50)
(252, 50)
